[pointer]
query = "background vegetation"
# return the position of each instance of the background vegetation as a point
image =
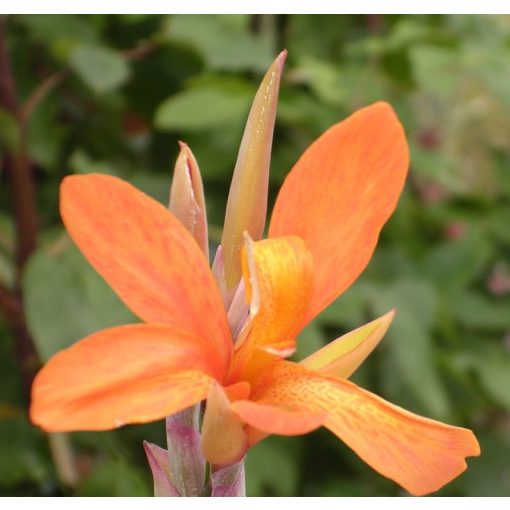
(115, 93)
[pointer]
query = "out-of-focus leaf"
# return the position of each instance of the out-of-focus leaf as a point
(45, 134)
(115, 478)
(224, 41)
(272, 467)
(455, 264)
(492, 365)
(101, 68)
(409, 340)
(435, 69)
(9, 133)
(311, 339)
(81, 163)
(66, 300)
(476, 311)
(489, 478)
(53, 29)
(207, 107)
(23, 453)
(324, 78)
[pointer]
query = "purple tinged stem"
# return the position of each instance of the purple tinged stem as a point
(229, 481)
(158, 462)
(187, 464)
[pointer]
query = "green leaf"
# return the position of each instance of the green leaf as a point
(115, 478)
(409, 340)
(102, 69)
(210, 106)
(436, 69)
(311, 339)
(474, 310)
(60, 284)
(492, 365)
(224, 41)
(9, 133)
(272, 467)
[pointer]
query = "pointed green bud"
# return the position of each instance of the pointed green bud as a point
(247, 199)
(187, 201)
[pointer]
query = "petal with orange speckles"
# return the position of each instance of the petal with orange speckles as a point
(339, 195)
(343, 356)
(145, 255)
(128, 374)
(278, 275)
(420, 454)
(278, 419)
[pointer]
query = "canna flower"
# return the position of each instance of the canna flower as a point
(229, 348)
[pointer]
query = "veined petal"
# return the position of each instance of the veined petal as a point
(128, 374)
(420, 454)
(339, 195)
(145, 255)
(278, 276)
(343, 356)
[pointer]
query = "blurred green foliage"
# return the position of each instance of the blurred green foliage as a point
(131, 86)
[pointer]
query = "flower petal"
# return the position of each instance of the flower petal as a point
(277, 419)
(278, 276)
(128, 374)
(223, 439)
(339, 195)
(420, 454)
(247, 199)
(145, 255)
(343, 356)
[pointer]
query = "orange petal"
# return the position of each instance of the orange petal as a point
(223, 439)
(128, 374)
(420, 454)
(145, 255)
(277, 419)
(339, 195)
(278, 275)
(342, 357)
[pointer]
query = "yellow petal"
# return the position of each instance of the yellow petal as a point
(278, 275)
(223, 439)
(342, 357)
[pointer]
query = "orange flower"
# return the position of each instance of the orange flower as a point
(323, 230)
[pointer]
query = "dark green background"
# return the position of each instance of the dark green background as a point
(443, 259)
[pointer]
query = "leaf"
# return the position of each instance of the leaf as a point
(272, 467)
(101, 68)
(60, 284)
(9, 133)
(115, 478)
(224, 41)
(210, 106)
(409, 340)
(492, 364)
(435, 69)
(474, 310)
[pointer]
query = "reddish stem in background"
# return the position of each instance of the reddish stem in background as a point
(21, 185)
